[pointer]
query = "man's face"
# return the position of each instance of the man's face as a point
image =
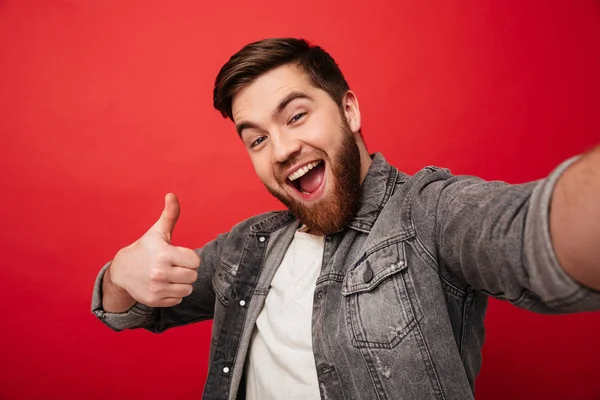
(302, 146)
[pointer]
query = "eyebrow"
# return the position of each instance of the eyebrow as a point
(280, 107)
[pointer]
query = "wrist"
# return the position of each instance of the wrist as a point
(114, 297)
(109, 282)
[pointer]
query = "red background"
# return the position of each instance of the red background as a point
(106, 105)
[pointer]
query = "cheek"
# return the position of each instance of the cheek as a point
(324, 134)
(263, 168)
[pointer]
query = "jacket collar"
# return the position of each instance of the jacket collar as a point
(378, 186)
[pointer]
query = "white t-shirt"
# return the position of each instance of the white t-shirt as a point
(280, 364)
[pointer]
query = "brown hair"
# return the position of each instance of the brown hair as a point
(262, 56)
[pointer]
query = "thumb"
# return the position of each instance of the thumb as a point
(168, 218)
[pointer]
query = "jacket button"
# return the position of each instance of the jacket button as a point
(226, 370)
(261, 239)
(368, 274)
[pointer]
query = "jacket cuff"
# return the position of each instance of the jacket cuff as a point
(548, 279)
(138, 316)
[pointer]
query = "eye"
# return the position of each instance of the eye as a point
(297, 117)
(258, 141)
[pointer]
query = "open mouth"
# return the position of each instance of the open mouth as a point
(308, 181)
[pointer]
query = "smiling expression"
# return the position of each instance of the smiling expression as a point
(303, 146)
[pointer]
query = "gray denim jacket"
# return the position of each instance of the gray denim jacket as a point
(400, 302)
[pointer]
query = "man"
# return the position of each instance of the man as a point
(374, 284)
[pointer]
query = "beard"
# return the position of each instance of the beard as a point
(333, 212)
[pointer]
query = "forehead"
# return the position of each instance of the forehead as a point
(265, 92)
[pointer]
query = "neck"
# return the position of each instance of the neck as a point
(306, 229)
(365, 158)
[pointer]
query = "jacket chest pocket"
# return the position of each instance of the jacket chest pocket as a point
(380, 300)
(223, 280)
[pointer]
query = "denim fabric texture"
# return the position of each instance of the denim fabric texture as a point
(400, 303)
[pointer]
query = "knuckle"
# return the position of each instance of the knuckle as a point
(157, 274)
(162, 257)
(153, 290)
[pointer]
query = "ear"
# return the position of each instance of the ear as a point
(351, 110)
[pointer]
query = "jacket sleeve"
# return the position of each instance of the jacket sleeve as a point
(198, 306)
(495, 238)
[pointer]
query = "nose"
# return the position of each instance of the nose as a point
(283, 145)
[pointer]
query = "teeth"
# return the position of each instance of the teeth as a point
(302, 171)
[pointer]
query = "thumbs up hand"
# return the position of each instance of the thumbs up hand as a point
(152, 270)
